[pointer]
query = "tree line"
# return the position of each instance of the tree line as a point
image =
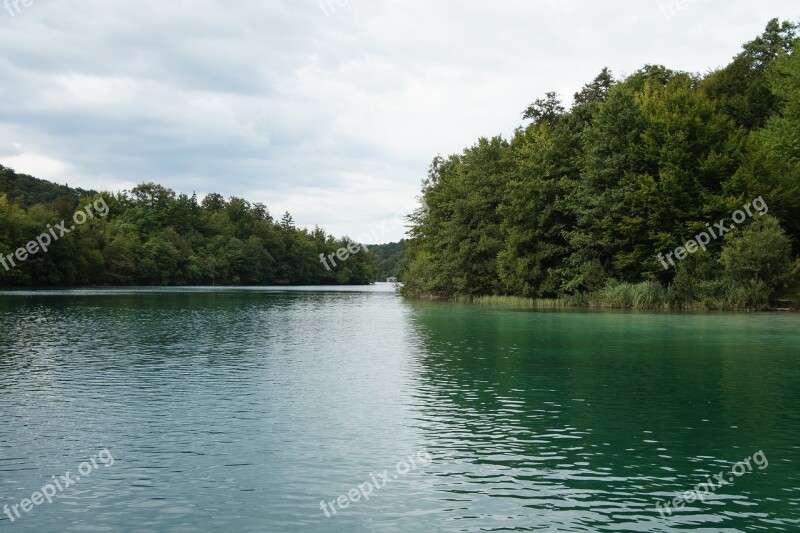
(153, 236)
(577, 204)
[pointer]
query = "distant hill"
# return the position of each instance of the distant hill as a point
(31, 191)
(388, 259)
(152, 235)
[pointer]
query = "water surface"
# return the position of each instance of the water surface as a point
(243, 409)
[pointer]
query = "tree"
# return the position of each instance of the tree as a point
(783, 129)
(598, 90)
(151, 236)
(547, 109)
(152, 196)
(585, 199)
(214, 202)
(778, 39)
(287, 222)
(762, 252)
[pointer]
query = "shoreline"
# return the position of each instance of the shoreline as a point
(587, 302)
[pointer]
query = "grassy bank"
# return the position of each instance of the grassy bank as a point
(642, 296)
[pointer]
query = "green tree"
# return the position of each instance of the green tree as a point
(761, 252)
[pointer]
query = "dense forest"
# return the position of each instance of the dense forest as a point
(153, 236)
(580, 202)
(389, 259)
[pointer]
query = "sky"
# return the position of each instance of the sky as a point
(332, 110)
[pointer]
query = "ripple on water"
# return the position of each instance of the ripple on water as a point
(242, 409)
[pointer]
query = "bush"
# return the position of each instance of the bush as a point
(760, 253)
(645, 295)
(726, 294)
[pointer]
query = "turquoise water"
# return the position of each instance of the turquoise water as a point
(244, 409)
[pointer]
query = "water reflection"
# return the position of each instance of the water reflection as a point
(243, 409)
(576, 421)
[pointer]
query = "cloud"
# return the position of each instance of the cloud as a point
(334, 117)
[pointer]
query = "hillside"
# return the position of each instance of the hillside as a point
(54, 235)
(29, 191)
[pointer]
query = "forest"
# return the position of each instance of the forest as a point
(153, 236)
(575, 207)
(389, 259)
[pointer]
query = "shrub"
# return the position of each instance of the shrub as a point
(761, 252)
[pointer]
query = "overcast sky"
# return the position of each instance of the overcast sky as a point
(332, 112)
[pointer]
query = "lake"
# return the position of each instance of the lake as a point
(352, 409)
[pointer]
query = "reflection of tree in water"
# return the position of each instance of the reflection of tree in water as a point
(575, 410)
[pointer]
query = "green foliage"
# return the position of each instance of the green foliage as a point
(152, 236)
(742, 88)
(462, 226)
(547, 109)
(579, 202)
(760, 253)
(28, 191)
(782, 133)
(389, 259)
(645, 295)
